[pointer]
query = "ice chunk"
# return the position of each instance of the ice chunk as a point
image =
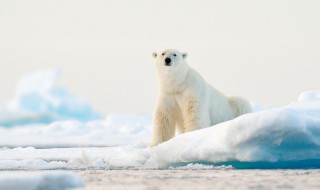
(39, 99)
(310, 96)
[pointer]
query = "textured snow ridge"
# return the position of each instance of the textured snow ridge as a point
(39, 181)
(192, 166)
(39, 100)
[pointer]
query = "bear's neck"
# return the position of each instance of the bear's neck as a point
(174, 82)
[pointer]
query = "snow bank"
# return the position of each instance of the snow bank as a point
(39, 181)
(280, 135)
(39, 100)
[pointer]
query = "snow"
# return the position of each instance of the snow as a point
(39, 181)
(116, 129)
(192, 166)
(287, 137)
(39, 99)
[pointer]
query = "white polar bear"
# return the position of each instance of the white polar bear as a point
(186, 102)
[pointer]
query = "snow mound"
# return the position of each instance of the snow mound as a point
(39, 181)
(279, 135)
(39, 100)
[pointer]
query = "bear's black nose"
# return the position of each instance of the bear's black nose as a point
(168, 61)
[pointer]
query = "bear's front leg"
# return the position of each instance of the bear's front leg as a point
(191, 114)
(163, 123)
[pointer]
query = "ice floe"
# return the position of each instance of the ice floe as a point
(39, 99)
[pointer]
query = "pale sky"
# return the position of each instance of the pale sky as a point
(265, 50)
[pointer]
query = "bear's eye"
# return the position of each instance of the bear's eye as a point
(162, 53)
(174, 54)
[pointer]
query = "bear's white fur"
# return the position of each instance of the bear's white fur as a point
(186, 102)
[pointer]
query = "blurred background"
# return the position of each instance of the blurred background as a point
(266, 51)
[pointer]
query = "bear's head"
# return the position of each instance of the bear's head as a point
(170, 59)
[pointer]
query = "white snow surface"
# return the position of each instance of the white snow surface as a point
(116, 129)
(278, 135)
(39, 181)
(39, 99)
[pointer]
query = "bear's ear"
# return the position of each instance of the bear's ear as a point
(184, 55)
(154, 54)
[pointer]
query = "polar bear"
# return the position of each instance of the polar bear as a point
(185, 101)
